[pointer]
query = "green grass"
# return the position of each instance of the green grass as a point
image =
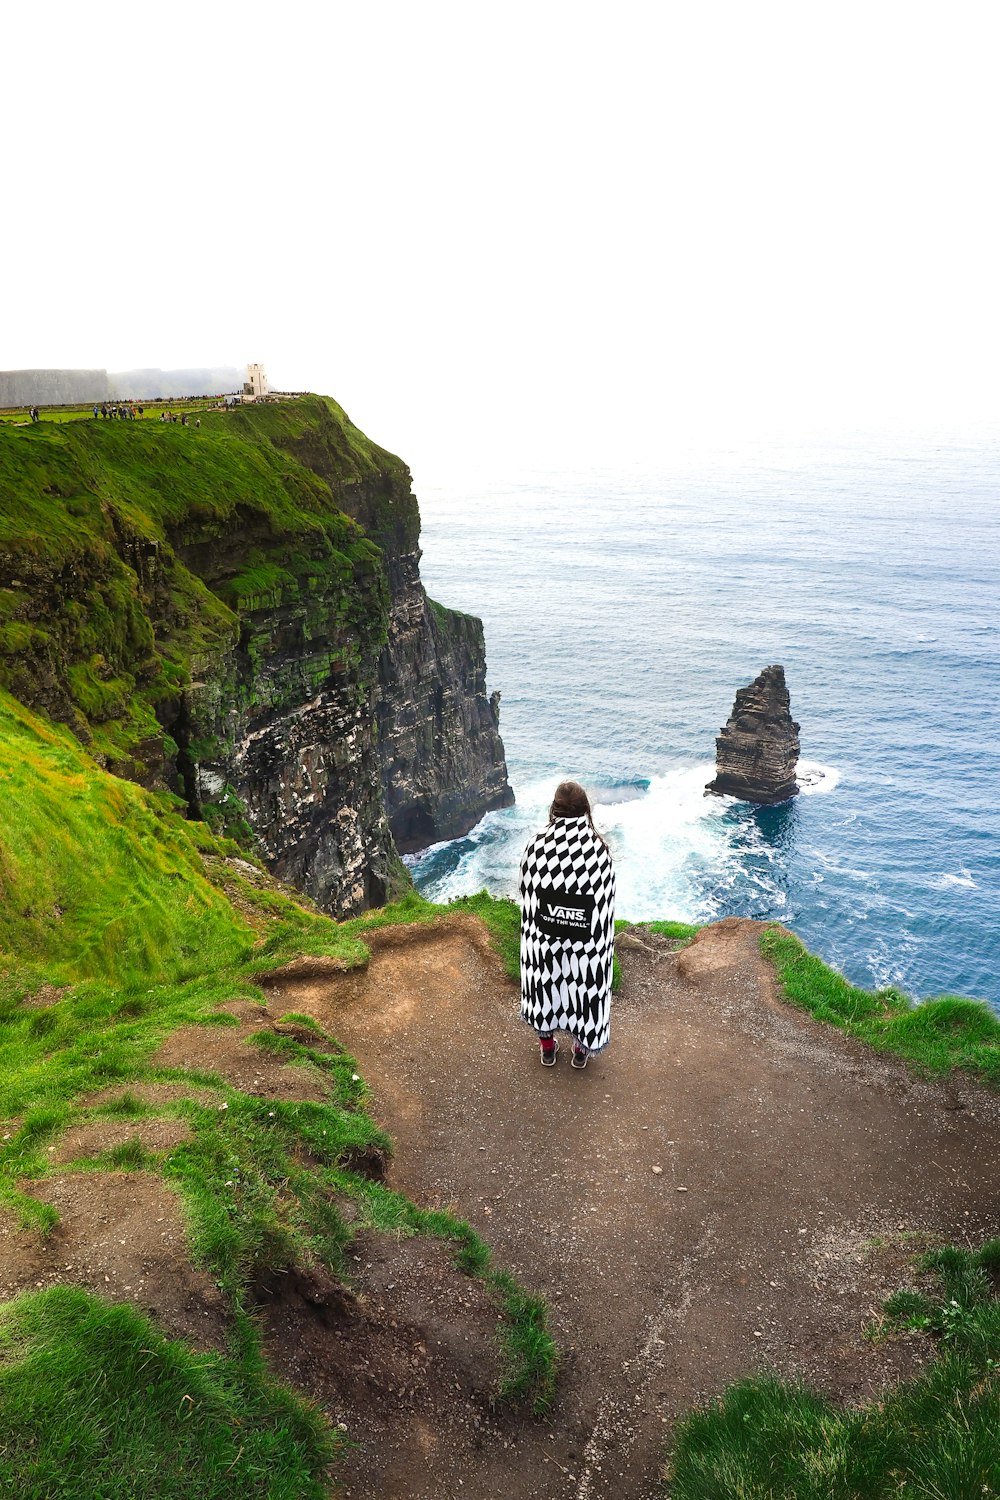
(96, 1403)
(116, 928)
(84, 411)
(934, 1438)
(935, 1036)
(681, 932)
(133, 553)
(98, 879)
(531, 1357)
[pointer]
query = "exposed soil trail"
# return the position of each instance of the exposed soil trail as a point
(700, 1203)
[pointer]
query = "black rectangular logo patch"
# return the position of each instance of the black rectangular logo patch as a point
(564, 914)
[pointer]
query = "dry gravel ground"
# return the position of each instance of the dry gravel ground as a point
(729, 1188)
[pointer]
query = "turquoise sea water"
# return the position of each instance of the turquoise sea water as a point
(622, 612)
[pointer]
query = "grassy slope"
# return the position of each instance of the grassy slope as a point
(949, 1032)
(107, 915)
(101, 624)
(107, 899)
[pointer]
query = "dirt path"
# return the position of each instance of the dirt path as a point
(705, 1200)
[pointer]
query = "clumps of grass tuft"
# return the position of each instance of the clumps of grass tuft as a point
(256, 1191)
(299, 1018)
(142, 1417)
(126, 1105)
(529, 1348)
(934, 1035)
(410, 907)
(22, 1156)
(130, 1156)
(29, 1212)
(965, 1312)
(935, 1436)
(338, 1066)
(682, 932)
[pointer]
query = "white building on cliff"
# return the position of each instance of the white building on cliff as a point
(256, 384)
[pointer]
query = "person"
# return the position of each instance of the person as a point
(567, 891)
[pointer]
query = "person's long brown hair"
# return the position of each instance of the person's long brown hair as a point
(571, 801)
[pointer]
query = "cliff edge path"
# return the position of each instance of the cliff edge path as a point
(731, 1187)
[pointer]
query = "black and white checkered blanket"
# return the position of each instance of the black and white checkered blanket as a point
(568, 932)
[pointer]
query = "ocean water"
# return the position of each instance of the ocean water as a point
(623, 610)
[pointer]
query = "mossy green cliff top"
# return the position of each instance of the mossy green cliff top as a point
(132, 552)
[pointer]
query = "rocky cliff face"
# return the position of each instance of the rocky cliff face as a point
(276, 731)
(441, 758)
(236, 613)
(758, 748)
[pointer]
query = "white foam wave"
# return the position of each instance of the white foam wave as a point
(661, 842)
(814, 777)
(664, 844)
(863, 877)
(677, 852)
(948, 881)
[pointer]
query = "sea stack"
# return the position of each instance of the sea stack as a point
(757, 751)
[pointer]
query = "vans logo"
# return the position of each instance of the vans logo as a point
(565, 914)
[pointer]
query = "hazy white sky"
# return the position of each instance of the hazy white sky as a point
(556, 231)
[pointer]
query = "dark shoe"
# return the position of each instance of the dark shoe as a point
(580, 1056)
(549, 1053)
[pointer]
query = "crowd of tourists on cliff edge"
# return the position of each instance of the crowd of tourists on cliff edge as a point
(122, 412)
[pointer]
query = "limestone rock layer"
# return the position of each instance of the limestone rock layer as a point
(757, 750)
(441, 758)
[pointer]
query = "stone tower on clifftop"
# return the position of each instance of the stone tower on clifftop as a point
(758, 748)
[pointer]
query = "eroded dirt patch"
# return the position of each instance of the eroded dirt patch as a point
(226, 1051)
(44, 996)
(408, 1362)
(121, 1235)
(91, 1137)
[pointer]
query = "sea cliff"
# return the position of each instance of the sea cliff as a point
(234, 613)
